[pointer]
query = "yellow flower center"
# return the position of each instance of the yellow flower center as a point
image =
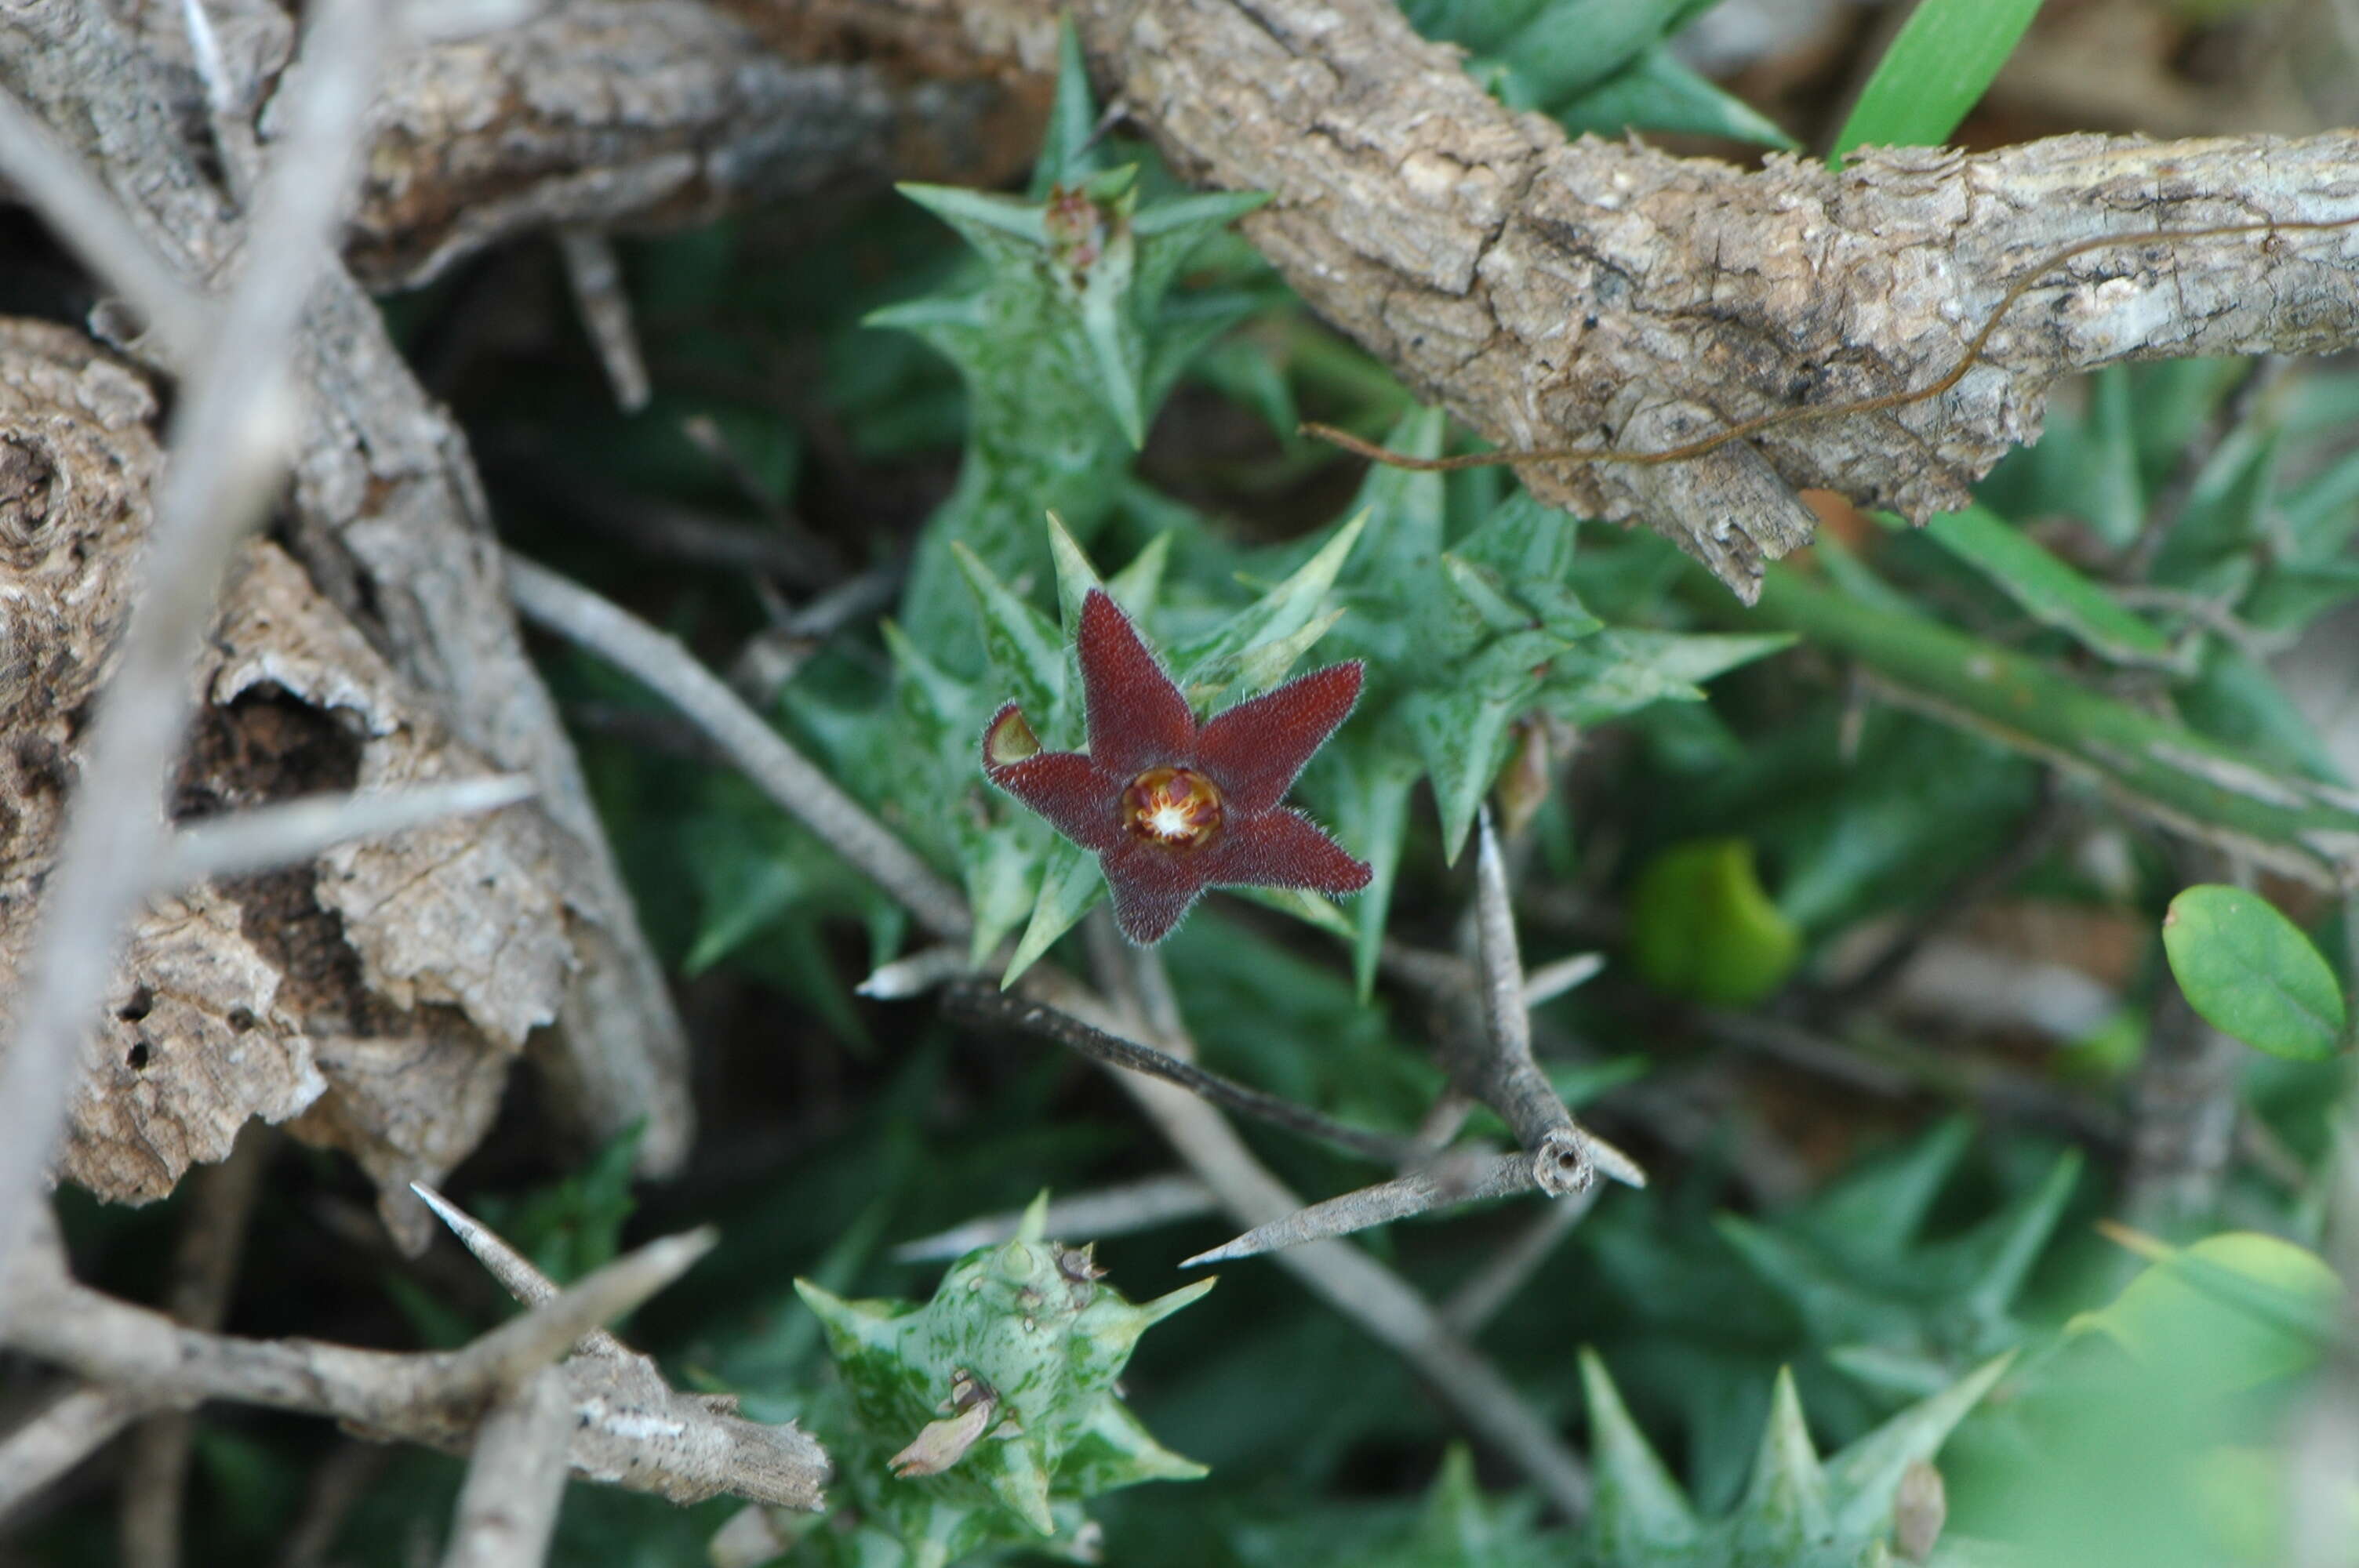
(1172, 807)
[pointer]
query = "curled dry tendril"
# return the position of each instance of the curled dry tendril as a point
(1808, 413)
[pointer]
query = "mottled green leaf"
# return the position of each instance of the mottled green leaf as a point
(1070, 888)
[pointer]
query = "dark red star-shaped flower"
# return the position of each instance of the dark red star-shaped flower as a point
(1170, 808)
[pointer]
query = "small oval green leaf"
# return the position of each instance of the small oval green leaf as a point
(1702, 927)
(2252, 973)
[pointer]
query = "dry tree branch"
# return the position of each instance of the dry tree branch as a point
(626, 1427)
(387, 516)
(507, 1507)
(782, 773)
(72, 1426)
(1574, 295)
(229, 440)
(606, 116)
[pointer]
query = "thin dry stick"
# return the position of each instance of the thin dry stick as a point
(204, 1276)
(507, 1509)
(777, 768)
(982, 1003)
(511, 1268)
(625, 1400)
(1497, 1065)
(1085, 1217)
(75, 1426)
(1813, 413)
(503, 1358)
(1476, 1301)
(294, 831)
(1364, 1291)
(596, 274)
(228, 442)
(1460, 1176)
(348, 1474)
(85, 216)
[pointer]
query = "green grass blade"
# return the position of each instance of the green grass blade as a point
(1941, 63)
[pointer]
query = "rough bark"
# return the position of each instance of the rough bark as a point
(379, 994)
(386, 516)
(1556, 294)
(645, 115)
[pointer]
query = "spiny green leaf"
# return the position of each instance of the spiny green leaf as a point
(1071, 151)
(1304, 906)
(1138, 584)
(1214, 661)
(2049, 590)
(2252, 973)
(1025, 653)
(1640, 1511)
(1069, 888)
(1075, 576)
(1658, 92)
(1462, 736)
(1865, 1477)
(1367, 790)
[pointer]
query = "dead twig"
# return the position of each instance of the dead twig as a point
(507, 1509)
(1460, 1177)
(596, 274)
(980, 1003)
(1085, 1217)
(777, 768)
(204, 1275)
(1496, 1066)
(625, 1430)
(74, 1425)
(287, 834)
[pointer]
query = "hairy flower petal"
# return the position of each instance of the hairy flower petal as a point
(1283, 849)
(1152, 888)
(1080, 800)
(1255, 749)
(1138, 719)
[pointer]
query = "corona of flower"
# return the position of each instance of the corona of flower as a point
(1169, 807)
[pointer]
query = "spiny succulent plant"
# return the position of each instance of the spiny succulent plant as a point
(1067, 340)
(986, 1416)
(1844, 1287)
(1465, 639)
(1798, 1512)
(1894, 1312)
